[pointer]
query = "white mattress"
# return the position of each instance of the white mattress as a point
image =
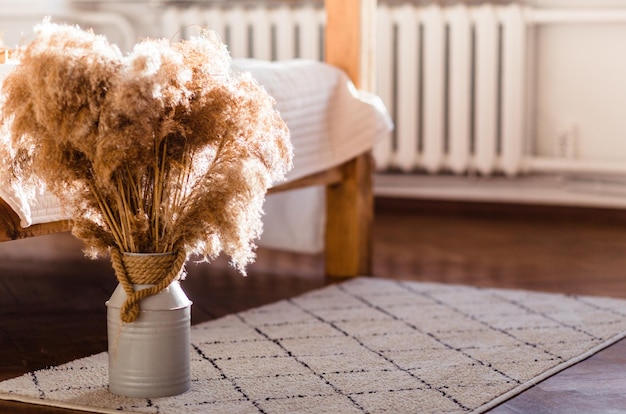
(329, 120)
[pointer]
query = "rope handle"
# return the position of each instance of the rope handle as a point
(158, 270)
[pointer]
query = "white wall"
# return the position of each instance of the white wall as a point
(18, 17)
(145, 16)
(579, 104)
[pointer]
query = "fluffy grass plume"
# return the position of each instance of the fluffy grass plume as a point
(160, 149)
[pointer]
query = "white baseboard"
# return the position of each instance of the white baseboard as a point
(565, 190)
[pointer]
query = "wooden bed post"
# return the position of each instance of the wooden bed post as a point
(350, 45)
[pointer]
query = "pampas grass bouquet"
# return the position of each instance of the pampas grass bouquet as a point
(163, 149)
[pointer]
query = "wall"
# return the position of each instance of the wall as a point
(17, 17)
(580, 87)
(143, 15)
(17, 20)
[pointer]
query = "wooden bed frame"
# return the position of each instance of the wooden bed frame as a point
(349, 197)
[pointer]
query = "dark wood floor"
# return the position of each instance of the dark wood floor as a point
(52, 298)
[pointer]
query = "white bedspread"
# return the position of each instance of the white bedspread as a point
(329, 120)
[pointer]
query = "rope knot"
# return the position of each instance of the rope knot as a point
(158, 270)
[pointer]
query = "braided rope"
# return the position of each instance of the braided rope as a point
(157, 270)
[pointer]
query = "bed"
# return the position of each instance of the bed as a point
(340, 160)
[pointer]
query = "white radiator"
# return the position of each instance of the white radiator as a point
(454, 79)
(457, 81)
(254, 32)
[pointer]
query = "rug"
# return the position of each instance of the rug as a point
(364, 346)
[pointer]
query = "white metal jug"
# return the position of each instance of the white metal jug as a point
(149, 358)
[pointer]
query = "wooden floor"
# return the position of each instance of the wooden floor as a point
(52, 299)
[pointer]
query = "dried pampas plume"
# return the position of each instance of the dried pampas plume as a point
(160, 149)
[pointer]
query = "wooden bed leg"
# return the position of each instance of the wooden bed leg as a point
(350, 45)
(349, 215)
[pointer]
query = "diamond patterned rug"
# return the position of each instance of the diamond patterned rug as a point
(364, 346)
